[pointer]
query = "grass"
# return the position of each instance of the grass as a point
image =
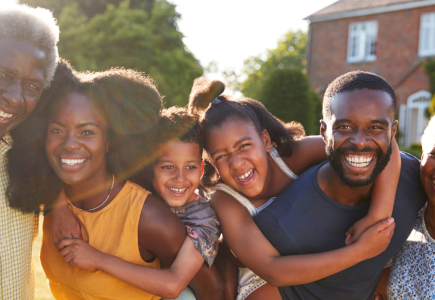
(42, 292)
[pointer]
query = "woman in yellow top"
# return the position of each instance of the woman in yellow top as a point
(98, 134)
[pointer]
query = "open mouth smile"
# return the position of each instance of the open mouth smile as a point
(359, 161)
(4, 116)
(177, 192)
(72, 162)
(247, 178)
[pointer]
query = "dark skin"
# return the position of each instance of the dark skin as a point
(237, 149)
(361, 126)
(22, 78)
(77, 135)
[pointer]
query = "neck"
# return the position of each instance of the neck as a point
(331, 185)
(91, 192)
(429, 219)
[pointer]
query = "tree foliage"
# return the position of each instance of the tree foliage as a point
(286, 94)
(141, 35)
(277, 79)
(290, 52)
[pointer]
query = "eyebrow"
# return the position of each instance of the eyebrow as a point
(235, 144)
(380, 121)
(80, 126)
(342, 121)
(33, 79)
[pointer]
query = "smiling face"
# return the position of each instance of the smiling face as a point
(358, 135)
(22, 80)
(239, 153)
(76, 143)
(177, 173)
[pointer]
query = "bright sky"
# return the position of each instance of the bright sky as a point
(229, 31)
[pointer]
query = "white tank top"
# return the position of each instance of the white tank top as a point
(245, 202)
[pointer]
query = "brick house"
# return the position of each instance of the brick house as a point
(388, 37)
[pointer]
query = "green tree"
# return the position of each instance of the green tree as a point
(286, 94)
(130, 36)
(290, 52)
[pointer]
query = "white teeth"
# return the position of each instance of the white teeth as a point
(433, 181)
(178, 190)
(4, 115)
(72, 162)
(246, 174)
(358, 161)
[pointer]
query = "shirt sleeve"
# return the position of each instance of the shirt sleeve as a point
(203, 229)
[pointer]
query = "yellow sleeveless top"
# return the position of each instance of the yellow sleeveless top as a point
(112, 230)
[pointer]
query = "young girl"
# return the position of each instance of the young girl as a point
(98, 133)
(251, 157)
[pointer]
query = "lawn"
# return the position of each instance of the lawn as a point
(42, 291)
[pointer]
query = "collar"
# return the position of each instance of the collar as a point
(5, 144)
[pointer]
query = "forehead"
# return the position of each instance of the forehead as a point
(361, 105)
(78, 107)
(22, 57)
(180, 150)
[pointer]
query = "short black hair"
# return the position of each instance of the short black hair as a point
(357, 80)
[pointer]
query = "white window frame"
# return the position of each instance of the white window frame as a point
(362, 41)
(426, 43)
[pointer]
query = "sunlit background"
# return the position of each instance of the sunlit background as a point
(175, 41)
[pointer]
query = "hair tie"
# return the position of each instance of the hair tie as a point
(216, 101)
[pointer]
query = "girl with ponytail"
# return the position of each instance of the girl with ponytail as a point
(250, 157)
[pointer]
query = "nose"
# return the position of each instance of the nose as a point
(71, 143)
(360, 139)
(13, 93)
(179, 175)
(236, 161)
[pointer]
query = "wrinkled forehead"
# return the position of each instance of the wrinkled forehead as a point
(362, 106)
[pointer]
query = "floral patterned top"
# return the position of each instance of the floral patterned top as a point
(412, 274)
(202, 227)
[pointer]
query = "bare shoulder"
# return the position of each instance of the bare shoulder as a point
(220, 200)
(156, 217)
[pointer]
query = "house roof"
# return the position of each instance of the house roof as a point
(345, 8)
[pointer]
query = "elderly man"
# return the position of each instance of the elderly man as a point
(28, 58)
(313, 214)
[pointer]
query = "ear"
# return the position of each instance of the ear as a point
(394, 128)
(266, 140)
(323, 129)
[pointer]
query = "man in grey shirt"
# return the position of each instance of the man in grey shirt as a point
(313, 213)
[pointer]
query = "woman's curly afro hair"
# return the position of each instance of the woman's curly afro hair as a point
(131, 105)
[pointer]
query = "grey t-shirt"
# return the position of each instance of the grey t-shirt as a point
(304, 220)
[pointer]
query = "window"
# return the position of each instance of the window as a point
(427, 35)
(362, 41)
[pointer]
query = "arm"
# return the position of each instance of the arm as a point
(161, 233)
(158, 228)
(168, 283)
(383, 195)
(251, 247)
(228, 271)
(381, 291)
(306, 153)
(64, 223)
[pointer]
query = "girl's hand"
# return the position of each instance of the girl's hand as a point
(376, 239)
(357, 229)
(64, 223)
(78, 253)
